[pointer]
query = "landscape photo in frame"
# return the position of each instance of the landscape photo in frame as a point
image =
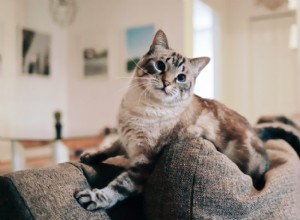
(94, 57)
(95, 61)
(138, 40)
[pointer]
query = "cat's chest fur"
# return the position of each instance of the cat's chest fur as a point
(143, 124)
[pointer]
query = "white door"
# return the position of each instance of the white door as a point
(273, 67)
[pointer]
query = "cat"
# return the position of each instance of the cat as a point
(160, 105)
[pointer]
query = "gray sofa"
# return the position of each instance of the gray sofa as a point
(191, 180)
(47, 193)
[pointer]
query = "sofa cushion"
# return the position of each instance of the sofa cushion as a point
(47, 193)
(192, 180)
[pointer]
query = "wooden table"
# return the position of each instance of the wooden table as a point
(61, 148)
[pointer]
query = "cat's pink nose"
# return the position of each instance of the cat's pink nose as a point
(166, 83)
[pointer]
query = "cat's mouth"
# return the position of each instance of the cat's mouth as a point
(165, 90)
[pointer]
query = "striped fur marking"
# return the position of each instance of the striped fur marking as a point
(277, 130)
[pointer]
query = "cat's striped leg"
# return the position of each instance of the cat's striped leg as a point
(126, 184)
(115, 149)
(119, 189)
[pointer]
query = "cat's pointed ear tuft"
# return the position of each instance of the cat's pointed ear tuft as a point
(159, 42)
(199, 63)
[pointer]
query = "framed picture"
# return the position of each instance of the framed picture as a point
(138, 40)
(95, 61)
(35, 49)
(95, 55)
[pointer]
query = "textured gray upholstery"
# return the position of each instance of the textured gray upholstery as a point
(194, 181)
(191, 181)
(48, 193)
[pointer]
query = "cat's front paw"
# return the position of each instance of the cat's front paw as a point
(194, 131)
(88, 158)
(94, 199)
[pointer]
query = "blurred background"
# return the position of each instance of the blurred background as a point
(73, 57)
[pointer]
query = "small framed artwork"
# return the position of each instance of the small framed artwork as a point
(95, 61)
(95, 55)
(138, 40)
(35, 49)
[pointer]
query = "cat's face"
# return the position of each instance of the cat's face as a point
(165, 75)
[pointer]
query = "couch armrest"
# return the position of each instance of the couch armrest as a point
(47, 193)
(12, 205)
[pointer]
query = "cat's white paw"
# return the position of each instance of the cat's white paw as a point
(89, 157)
(94, 199)
(191, 131)
(195, 131)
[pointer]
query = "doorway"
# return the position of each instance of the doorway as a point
(203, 45)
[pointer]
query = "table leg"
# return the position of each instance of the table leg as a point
(18, 156)
(60, 152)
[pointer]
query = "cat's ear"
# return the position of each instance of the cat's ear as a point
(159, 42)
(199, 63)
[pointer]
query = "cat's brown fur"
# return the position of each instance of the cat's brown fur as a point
(159, 106)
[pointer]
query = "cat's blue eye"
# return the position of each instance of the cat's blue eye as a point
(160, 66)
(181, 77)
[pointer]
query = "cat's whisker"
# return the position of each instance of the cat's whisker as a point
(136, 64)
(147, 92)
(135, 85)
(139, 82)
(141, 95)
(145, 96)
(123, 77)
(148, 95)
(131, 78)
(174, 91)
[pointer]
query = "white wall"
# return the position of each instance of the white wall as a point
(263, 67)
(27, 103)
(36, 98)
(93, 102)
(243, 84)
(7, 24)
(7, 77)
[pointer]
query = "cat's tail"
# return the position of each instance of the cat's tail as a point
(279, 127)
